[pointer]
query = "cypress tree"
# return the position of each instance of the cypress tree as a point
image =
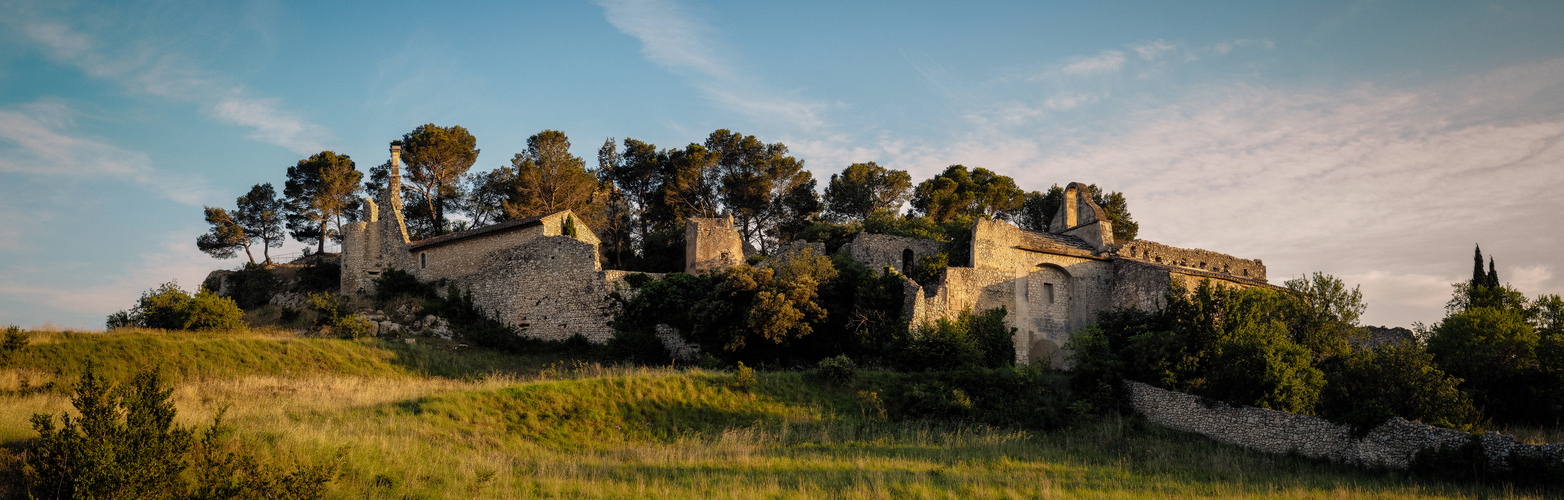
(1493, 276)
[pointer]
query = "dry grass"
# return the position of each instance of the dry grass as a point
(524, 430)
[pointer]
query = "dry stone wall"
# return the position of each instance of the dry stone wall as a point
(1391, 445)
(1197, 259)
(547, 288)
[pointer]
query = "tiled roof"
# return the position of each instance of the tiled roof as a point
(449, 238)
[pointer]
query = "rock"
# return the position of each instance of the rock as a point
(409, 341)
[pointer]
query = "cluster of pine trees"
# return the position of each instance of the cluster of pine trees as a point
(636, 198)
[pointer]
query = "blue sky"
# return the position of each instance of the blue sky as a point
(1375, 141)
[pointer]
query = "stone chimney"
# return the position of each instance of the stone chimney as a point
(393, 195)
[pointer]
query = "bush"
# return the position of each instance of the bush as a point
(394, 283)
(971, 341)
(162, 307)
(253, 286)
(1366, 388)
(208, 312)
(744, 378)
(125, 445)
(15, 340)
(170, 308)
(330, 307)
(837, 369)
(318, 275)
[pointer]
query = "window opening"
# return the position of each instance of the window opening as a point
(423, 260)
(1048, 292)
(906, 261)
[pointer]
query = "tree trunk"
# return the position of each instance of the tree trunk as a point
(248, 254)
(322, 237)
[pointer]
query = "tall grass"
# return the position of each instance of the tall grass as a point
(422, 422)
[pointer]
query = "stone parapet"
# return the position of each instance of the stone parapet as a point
(1197, 259)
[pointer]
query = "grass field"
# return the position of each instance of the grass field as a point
(424, 421)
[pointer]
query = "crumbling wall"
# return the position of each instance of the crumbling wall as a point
(711, 243)
(549, 288)
(878, 251)
(1197, 259)
(1390, 445)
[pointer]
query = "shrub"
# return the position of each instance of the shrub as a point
(1368, 387)
(329, 306)
(971, 341)
(125, 445)
(638, 346)
(837, 369)
(170, 308)
(394, 283)
(253, 286)
(15, 340)
(318, 275)
(744, 378)
(162, 307)
(208, 312)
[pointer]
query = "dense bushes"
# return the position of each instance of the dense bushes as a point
(125, 444)
(798, 310)
(170, 308)
(1292, 351)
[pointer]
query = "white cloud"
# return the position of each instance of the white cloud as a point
(141, 70)
(671, 38)
(1152, 50)
(1225, 46)
(1106, 62)
(37, 140)
(1530, 279)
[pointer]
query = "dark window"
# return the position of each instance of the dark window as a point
(423, 260)
(906, 261)
(1048, 292)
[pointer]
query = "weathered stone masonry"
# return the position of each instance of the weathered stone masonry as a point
(1390, 445)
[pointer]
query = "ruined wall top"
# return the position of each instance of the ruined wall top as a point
(1204, 260)
(1080, 217)
(711, 243)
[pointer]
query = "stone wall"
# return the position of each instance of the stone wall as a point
(878, 251)
(466, 256)
(711, 244)
(1197, 259)
(1391, 445)
(547, 288)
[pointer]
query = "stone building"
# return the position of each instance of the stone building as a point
(542, 275)
(1053, 282)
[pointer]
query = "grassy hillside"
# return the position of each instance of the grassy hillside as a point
(426, 421)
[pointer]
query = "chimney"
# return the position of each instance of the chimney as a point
(396, 159)
(393, 193)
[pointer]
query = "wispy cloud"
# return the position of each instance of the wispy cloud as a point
(1153, 49)
(1225, 46)
(168, 75)
(173, 259)
(1387, 187)
(672, 38)
(37, 140)
(1107, 61)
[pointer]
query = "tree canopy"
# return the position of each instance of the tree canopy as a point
(548, 179)
(258, 217)
(321, 194)
(865, 188)
(957, 192)
(437, 158)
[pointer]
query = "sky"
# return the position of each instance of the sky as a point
(1375, 141)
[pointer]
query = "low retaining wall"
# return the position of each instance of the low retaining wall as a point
(1391, 445)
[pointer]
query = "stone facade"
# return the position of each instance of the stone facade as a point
(527, 272)
(1391, 445)
(1051, 283)
(711, 243)
(878, 251)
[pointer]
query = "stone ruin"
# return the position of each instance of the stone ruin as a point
(549, 285)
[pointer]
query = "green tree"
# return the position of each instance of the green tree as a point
(550, 179)
(796, 209)
(636, 173)
(437, 159)
(321, 196)
(865, 188)
(1399, 380)
(687, 187)
(957, 192)
(485, 196)
(1325, 314)
(258, 217)
(226, 237)
(751, 176)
